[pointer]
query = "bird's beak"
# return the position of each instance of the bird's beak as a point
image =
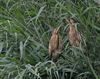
(58, 28)
(67, 21)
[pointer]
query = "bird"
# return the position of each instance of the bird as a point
(55, 45)
(73, 34)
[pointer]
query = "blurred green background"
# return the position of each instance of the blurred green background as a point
(25, 31)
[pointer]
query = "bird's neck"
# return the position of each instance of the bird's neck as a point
(72, 27)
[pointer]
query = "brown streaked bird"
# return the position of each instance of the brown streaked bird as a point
(55, 45)
(74, 35)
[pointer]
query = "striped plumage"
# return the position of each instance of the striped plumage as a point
(73, 34)
(55, 44)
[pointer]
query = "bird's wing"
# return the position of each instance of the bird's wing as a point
(60, 43)
(53, 44)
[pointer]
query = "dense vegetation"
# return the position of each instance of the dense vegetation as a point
(25, 31)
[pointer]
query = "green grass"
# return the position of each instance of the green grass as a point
(25, 30)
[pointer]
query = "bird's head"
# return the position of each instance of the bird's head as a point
(71, 22)
(56, 30)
